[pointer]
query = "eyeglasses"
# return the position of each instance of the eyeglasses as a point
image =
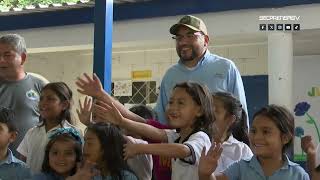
(188, 36)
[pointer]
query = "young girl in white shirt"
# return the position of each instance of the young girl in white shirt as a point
(55, 112)
(189, 111)
(231, 123)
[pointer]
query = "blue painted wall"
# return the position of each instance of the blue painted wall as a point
(256, 88)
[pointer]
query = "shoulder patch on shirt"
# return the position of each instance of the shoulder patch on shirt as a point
(32, 95)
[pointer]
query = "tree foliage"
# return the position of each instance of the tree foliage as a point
(7, 4)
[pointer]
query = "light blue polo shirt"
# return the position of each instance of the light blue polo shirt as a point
(252, 170)
(217, 73)
(12, 168)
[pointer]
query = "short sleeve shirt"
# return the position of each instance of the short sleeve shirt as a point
(252, 170)
(187, 168)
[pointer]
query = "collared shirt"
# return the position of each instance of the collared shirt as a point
(187, 168)
(233, 151)
(47, 176)
(252, 170)
(218, 73)
(13, 169)
(126, 175)
(34, 143)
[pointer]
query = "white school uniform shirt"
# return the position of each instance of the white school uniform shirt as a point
(233, 150)
(187, 168)
(33, 145)
(141, 164)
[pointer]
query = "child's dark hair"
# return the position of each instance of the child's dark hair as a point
(143, 111)
(65, 137)
(112, 141)
(64, 93)
(202, 97)
(7, 117)
(283, 119)
(232, 105)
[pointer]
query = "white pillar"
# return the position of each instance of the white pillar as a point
(280, 62)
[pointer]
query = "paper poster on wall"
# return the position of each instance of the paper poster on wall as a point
(306, 93)
(122, 88)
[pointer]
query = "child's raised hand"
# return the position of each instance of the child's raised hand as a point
(85, 111)
(307, 145)
(89, 86)
(84, 172)
(107, 113)
(209, 162)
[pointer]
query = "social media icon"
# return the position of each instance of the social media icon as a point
(296, 27)
(288, 27)
(270, 27)
(279, 27)
(263, 27)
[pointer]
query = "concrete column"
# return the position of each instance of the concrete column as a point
(280, 64)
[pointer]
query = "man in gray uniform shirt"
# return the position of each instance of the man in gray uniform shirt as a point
(19, 91)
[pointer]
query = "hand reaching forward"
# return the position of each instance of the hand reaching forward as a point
(89, 86)
(209, 162)
(129, 150)
(85, 111)
(84, 172)
(107, 113)
(307, 145)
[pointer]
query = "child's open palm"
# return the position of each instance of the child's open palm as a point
(85, 111)
(89, 86)
(107, 113)
(209, 162)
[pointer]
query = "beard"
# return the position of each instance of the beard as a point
(186, 56)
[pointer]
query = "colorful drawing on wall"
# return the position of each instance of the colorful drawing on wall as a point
(122, 88)
(301, 110)
(299, 132)
(305, 101)
(315, 91)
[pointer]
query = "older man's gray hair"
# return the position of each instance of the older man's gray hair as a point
(15, 41)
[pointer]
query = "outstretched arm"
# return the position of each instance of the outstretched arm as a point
(93, 87)
(106, 113)
(171, 150)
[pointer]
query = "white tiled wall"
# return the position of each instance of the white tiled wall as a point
(67, 66)
(250, 60)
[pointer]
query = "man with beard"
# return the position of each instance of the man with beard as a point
(197, 64)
